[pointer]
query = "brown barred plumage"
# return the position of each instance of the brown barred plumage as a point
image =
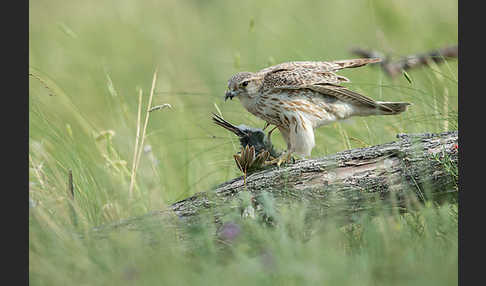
(300, 96)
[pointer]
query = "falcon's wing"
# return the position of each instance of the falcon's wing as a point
(321, 66)
(326, 83)
(344, 94)
(299, 78)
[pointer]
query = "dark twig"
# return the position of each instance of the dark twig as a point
(394, 68)
(43, 82)
(70, 183)
(74, 218)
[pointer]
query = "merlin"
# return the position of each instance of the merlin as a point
(298, 97)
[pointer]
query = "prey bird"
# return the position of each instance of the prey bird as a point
(256, 147)
(298, 97)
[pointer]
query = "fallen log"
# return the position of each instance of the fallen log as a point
(415, 168)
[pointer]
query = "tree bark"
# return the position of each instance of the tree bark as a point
(415, 168)
(424, 165)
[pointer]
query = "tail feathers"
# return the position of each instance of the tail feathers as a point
(393, 107)
(226, 125)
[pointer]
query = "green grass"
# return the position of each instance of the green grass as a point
(89, 60)
(418, 248)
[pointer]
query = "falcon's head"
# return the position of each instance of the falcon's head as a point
(242, 84)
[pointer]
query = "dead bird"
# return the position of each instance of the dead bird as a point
(257, 149)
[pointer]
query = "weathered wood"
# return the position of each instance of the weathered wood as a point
(415, 167)
(414, 163)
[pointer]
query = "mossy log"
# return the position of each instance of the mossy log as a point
(416, 167)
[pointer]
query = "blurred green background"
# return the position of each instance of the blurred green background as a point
(99, 52)
(88, 60)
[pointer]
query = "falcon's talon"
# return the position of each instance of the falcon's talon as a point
(284, 158)
(280, 161)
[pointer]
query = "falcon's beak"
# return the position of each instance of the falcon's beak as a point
(229, 94)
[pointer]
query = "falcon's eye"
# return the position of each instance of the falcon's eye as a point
(245, 83)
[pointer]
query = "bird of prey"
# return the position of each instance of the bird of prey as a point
(298, 97)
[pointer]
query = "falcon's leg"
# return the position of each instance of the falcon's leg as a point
(301, 138)
(286, 136)
(285, 156)
(269, 136)
(270, 132)
(266, 125)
